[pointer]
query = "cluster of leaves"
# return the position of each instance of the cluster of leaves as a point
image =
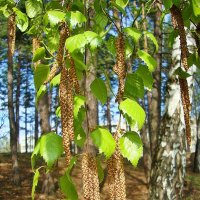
(43, 20)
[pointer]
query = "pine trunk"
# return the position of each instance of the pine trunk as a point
(11, 113)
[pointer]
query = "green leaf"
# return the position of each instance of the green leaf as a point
(33, 8)
(75, 17)
(55, 81)
(133, 112)
(35, 182)
(134, 86)
(168, 4)
(153, 39)
(79, 133)
(146, 76)
(39, 54)
(100, 170)
(93, 39)
(58, 112)
(122, 3)
(149, 60)
(35, 153)
(66, 184)
(21, 20)
(196, 7)
(76, 42)
(79, 102)
(131, 147)
(55, 17)
(99, 90)
(51, 148)
(5, 11)
(134, 33)
(78, 61)
(103, 139)
(182, 74)
(40, 75)
(100, 19)
(40, 93)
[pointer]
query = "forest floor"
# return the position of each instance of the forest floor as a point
(135, 181)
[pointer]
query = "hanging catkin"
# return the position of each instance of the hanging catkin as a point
(66, 104)
(116, 176)
(64, 34)
(120, 67)
(90, 177)
(178, 24)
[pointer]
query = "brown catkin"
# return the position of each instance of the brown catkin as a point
(66, 103)
(64, 34)
(120, 66)
(90, 177)
(73, 74)
(178, 24)
(186, 108)
(116, 176)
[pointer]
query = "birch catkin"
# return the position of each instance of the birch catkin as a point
(178, 24)
(116, 176)
(90, 177)
(120, 66)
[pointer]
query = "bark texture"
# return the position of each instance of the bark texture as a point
(168, 170)
(12, 123)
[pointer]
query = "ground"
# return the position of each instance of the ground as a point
(135, 181)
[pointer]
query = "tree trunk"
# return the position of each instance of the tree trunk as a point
(196, 167)
(17, 97)
(11, 113)
(156, 93)
(36, 126)
(48, 186)
(26, 107)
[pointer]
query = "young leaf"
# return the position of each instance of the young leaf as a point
(93, 39)
(58, 112)
(146, 76)
(39, 54)
(122, 3)
(55, 17)
(66, 184)
(133, 112)
(33, 8)
(35, 153)
(51, 148)
(196, 7)
(131, 147)
(152, 38)
(75, 17)
(21, 20)
(99, 90)
(79, 102)
(76, 42)
(134, 86)
(149, 60)
(103, 139)
(79, 133)
(168, 4)
(35, 182)
(182, 74)
(134, 33)
(55, 81)
(40, 75)
(40, 93)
